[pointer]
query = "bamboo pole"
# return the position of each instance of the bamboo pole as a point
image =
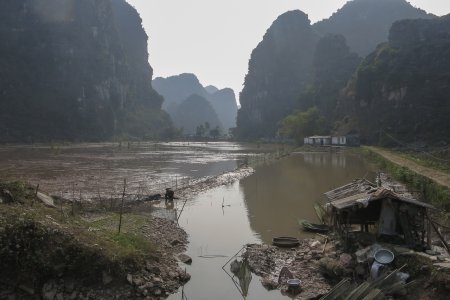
(181, 210)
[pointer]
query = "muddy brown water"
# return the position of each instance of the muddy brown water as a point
(255, 209)
(219, 221)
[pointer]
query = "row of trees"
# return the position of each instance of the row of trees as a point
(204, 130)
(303, 123)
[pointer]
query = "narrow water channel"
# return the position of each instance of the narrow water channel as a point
(259, 207)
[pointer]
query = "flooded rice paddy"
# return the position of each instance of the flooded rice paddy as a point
(99, 169)
(219, 221)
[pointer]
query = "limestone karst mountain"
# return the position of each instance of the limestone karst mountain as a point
(193, 112)
(68, 72)
(366, 23)
(298, 66)
(176, 89)
(224, 103)
(279, 70)
(401, 89)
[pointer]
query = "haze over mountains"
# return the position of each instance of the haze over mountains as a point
(366, 23)
(176, 90)
(79, 71)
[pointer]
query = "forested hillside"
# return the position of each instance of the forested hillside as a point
(402, 89)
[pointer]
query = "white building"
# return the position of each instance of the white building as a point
(339, 140)
(342, 140)
(317, 140)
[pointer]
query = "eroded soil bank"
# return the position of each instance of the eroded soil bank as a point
(51, 253)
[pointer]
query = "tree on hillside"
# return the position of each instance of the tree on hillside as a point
(200, 131)
(215, 133)
(302, 124)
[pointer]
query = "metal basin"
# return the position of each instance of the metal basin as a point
(384, 256)
(294, 283)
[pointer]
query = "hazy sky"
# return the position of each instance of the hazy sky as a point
(214, 38)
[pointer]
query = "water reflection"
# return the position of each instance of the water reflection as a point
(218, 228)
(279, 194)
(268, 203)
(95, 169)
(325, 160)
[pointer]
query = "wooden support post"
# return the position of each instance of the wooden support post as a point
(73, 199)
(121, 206)
(439, 234)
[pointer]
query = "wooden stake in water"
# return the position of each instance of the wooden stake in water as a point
(121, 206)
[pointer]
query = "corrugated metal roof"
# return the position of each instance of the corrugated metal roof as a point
(362, 190)
(357, 186)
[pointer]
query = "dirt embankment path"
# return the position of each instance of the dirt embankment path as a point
(435, 175)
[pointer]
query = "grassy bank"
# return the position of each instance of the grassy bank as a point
(437, 161)
(431, 192)
(38, 243)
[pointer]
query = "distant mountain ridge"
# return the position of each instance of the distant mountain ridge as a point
(195, 111)
(176, 89)
(366, 23)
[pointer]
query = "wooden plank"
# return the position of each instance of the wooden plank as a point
(439, 234)
(47, 200)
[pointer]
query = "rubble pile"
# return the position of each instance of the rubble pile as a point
(300, 263)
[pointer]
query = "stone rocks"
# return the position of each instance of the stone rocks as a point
(137, 281)
(184, 258)
(269, 284)
(152, 269)
(175, 242)
(330, 267)
(345, 260)
(6, 196)
(173, 275)
(273, 264)
(185, 277)
(285, 274)
(157, 292)
(130, 278)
